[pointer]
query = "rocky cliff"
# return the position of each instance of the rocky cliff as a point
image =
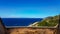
(2, 28)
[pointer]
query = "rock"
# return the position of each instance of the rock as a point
(2, 27)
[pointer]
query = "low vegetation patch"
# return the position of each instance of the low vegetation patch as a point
(49, 21)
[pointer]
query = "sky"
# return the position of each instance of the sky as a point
(29, 8)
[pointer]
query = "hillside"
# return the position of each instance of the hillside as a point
(49, 21)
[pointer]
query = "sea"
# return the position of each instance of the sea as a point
(20, 21)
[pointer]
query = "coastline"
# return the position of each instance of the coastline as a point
(32, 24)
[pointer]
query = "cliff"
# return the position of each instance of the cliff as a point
(2, 28)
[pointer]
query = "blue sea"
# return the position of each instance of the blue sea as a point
(19, 21)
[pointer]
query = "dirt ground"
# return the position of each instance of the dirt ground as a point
(31, 31)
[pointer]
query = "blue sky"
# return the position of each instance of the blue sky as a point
(29, 8)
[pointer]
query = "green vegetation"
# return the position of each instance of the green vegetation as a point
(49, 21)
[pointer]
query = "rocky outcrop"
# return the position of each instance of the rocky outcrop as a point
(2, 27)
(58, 29)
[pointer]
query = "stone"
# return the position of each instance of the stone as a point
(2, 27)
